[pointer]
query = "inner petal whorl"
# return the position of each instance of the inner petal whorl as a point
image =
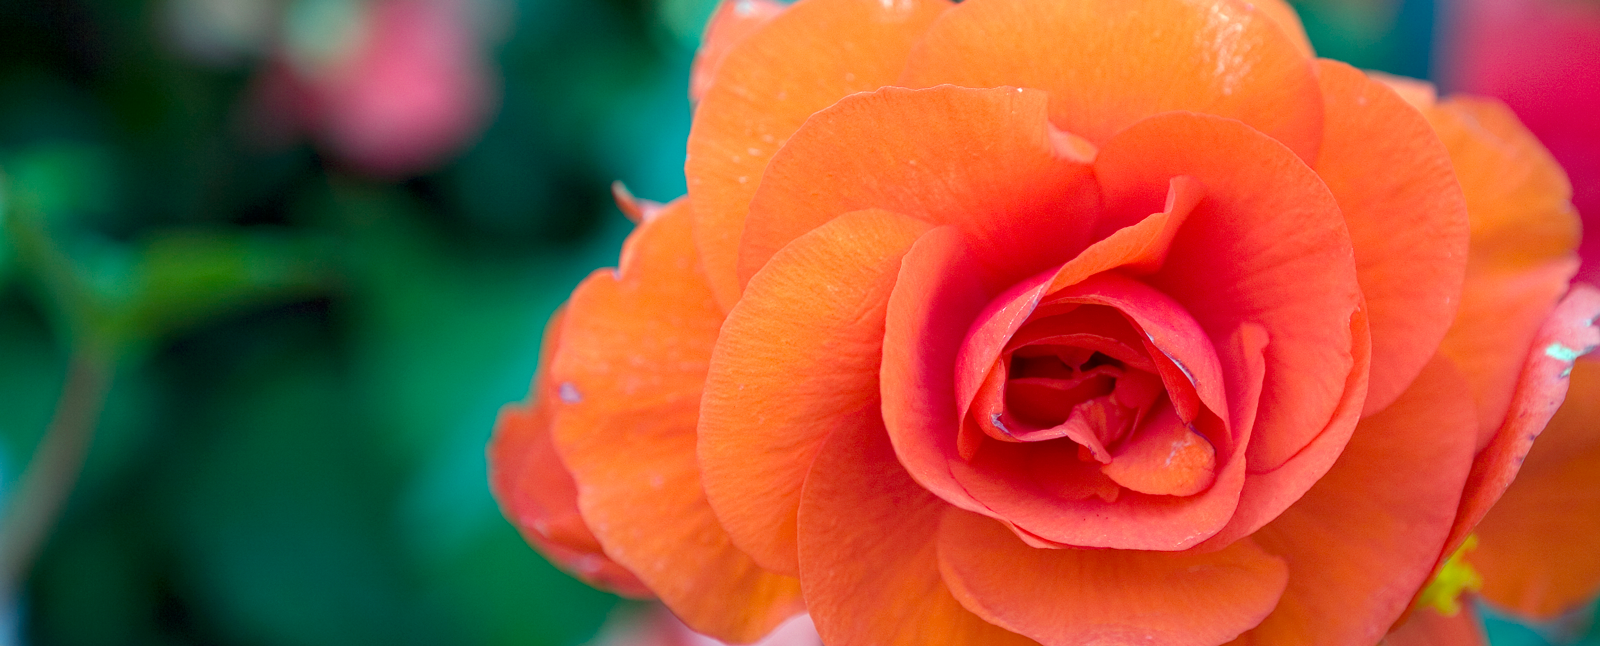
(1086, 374)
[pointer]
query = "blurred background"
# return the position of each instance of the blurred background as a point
(286, 258)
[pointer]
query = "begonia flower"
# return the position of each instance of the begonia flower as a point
(1056, 322)
(1533, 556)
(1542, 58)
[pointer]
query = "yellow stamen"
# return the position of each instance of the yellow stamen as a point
(1456, 576)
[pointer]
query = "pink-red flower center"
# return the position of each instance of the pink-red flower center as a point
(1083, 372)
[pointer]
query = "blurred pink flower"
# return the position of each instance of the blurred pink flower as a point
(400, 93)
(1542, 57)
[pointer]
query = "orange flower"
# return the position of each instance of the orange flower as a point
(1053, 321)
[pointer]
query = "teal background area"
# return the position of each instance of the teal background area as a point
(292, 450)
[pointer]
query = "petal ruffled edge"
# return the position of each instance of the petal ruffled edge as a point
(1517, 515)
(1364, 536)
(628, 375)
(1071, 597)
(536, 491)
(868, 531)
(1107, 65)
(1408, 224)
(766, 86)
(797, 358)
(1567, 334)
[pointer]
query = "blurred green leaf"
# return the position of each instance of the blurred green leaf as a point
(61, 178)
(112, 294)
(5, 244)
(187, 277)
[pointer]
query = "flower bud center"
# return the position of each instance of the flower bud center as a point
(1086, 374)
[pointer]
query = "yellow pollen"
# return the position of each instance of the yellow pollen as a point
(1456, 576)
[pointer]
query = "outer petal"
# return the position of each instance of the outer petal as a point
(980, 159)
(1106, 65)
(1071, 597)
(1287, 19)
(1539, 57)
(1524, 233)
(1429, 628)
(798, 358)
(867, 532)
(1290, 266)
(769, 83)
(537, 493)
(1566, 335)
(1365, 537)
(1408, 224)
(655, 626)
(628, 377)
(1536, 548)
(730, 23)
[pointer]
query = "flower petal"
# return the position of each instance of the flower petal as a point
(1287, 19)
(1165, 457)
(1074, 597)
(536, 491)
(798, 358)
(1524, 235)
(634, 353)
(1265, 495)
(1408, 224)
(1107, 65)
(732, 21)
(868, 531)
(1290, 267)
(770, 82)
(981, 159)
(1536, 546)
(1567, 334)
(1429, 628)
(1364, 538)
(936, 297)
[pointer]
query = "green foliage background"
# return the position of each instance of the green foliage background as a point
(292, 449)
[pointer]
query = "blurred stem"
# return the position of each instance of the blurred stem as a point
(31, 511)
